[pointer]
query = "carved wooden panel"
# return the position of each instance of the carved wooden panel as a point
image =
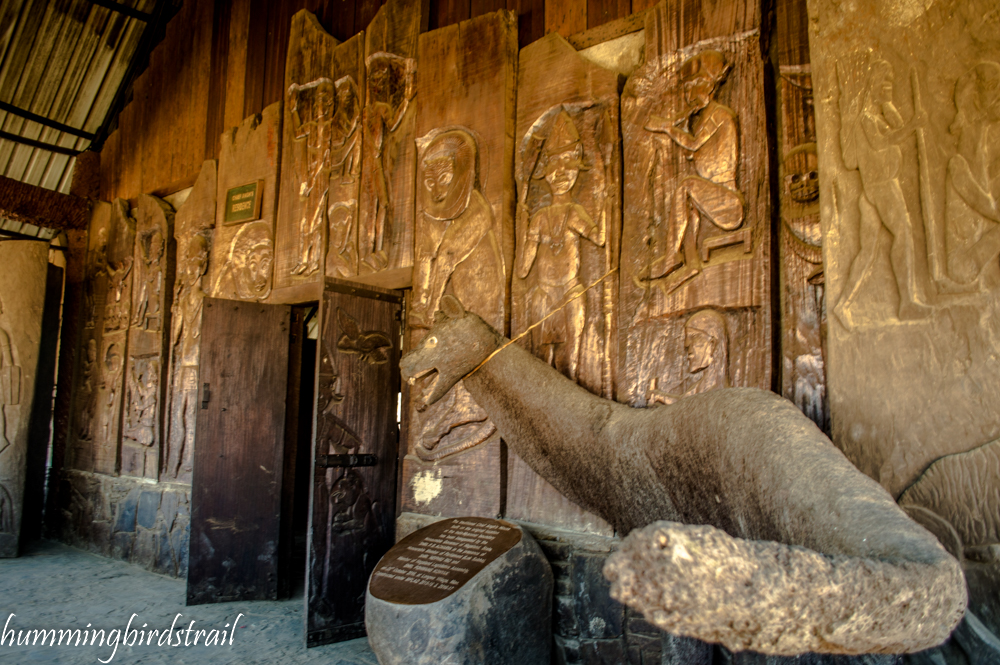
(242, 254)
(463, 246)
(238, 455)
(194, 226)
(696, 242)
(87, 378)
(321, 162)
(568, 228)
(23, 266)
(149, 332)
(908, 161)
(119, 267)
(353, 510)
(386, 206)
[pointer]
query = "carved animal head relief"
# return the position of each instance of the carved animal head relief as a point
(448, 172)
(250, 259)
(455, 345)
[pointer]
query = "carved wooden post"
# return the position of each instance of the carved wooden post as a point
(194, 225)
(118, 266)
(243, 252)
(149, 332)
(568, 228)
(803, 306)
(696, 239)
(386, 206)
(22, 299)
(463, 246)
(907, 121)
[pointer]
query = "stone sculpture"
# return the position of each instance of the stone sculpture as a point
(845, 571)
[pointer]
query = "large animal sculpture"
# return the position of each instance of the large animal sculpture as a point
(746, 526)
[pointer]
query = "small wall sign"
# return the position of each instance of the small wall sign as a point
(243, 203)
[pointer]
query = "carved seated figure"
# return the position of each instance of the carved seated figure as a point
(709, 132)
(801, 552)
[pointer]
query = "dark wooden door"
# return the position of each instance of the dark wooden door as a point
(353, 495)
(238, 454)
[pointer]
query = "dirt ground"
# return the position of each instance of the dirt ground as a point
(58, 587)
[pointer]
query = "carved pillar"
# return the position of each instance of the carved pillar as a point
(568, 229)
(463, 246)
(803, 306)
(696, 239)
(149, 330)
(385, 231)
(908, 122)
(118, 267)
(23, 266)
(194, 225)
(243, 252)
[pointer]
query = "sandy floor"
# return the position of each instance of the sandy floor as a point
(57, 587)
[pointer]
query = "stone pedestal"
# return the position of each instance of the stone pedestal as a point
(463, 591)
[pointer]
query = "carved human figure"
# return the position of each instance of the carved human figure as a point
(324, 114)
(111, 380)
(707, 358)
(146, 294)
(98, 266)
(10, 385)
(116, 307)
(871, 132)
(189, 296)
(247, 273)
(549, 259)
(457, 252)
(351, 517)
(140, 406)
(972, 197)
(709, 132)
(88, 390)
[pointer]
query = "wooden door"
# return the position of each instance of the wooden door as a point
(353, 494)
(238, 454)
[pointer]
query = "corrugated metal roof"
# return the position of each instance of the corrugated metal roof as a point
(63, 60)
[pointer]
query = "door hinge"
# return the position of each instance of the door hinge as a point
(330, 461)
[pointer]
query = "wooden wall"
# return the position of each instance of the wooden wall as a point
(222, 61)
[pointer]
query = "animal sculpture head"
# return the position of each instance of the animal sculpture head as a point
(454, 346)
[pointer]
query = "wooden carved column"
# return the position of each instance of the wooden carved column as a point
(242, 255)
(463, 246)
(149, 331)
(803, 307)
(568, 228)
(908, 126)
(119, 267)
(194, 225)
(321, 161)
(82, 438)
(385, 231)
(696, 241)
(23, 266)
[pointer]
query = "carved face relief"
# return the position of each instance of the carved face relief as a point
(704, 332)
(701, 75)
(448, 174)
(562, 170)
(250, 260)
(802, 175)
(196, 260)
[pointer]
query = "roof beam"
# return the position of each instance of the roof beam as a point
(123, 9)
(42, 120)
(42, 207)
(31, 143)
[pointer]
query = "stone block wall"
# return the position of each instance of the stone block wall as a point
(128, 519)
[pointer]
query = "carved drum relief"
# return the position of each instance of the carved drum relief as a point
(695, 312)
(458, 252)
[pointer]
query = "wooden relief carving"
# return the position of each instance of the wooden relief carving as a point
(87, 377)
(803, 307)
(193, 229)
(114, 338)
(23, 270)
(148, 339)
(568, 227)
(907, 132)
(696, 240)
(242, 254)
(387, 171)
(463, 246)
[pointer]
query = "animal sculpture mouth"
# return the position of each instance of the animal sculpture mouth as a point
(428, 395)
